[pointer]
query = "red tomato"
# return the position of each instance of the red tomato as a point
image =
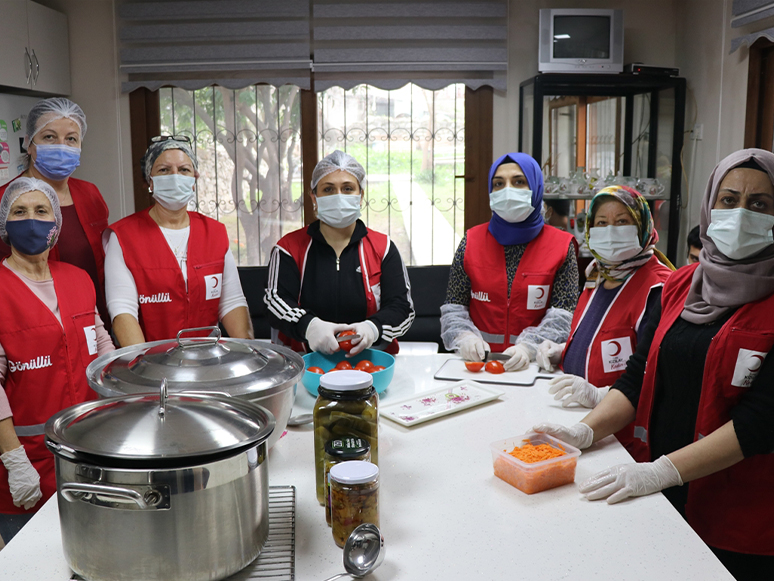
(346, 345)
(474, 366)
(375, 368)
(315, 370)
(495, 367)
(363, 365)
(343, 365)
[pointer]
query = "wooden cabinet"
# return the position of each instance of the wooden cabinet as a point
(34, 48)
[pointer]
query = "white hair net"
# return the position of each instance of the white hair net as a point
(19, 187)
(338, 160)
(156, 148)
(48, 110)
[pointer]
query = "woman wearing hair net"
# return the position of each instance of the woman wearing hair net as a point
(336, 274)
(514, 281)
(49, 332)
(56, 128)
(700, 386)
(168, 269)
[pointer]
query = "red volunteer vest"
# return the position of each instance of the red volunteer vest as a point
(93, 216)
(616, 337)
(372, 248)
(499, 318)
(166, 306)
(46, 362)
(730, 509)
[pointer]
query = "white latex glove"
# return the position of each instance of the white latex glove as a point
(577, 390)
(368, 336)
(23, 479)
(549, 355)
(519, 358)
(625, 480)
(471, 347)
(580, 435)
(321, 335)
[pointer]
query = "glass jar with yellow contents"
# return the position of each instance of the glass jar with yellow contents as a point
(354, 497)
(347, 406)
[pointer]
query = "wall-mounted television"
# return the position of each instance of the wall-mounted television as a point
(577, 40)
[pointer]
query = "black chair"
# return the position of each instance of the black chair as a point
(253, 279)
(428, 291)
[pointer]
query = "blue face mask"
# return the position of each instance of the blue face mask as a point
(57, 162)
(31, 237)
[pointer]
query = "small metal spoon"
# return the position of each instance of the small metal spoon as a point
(363, 551)
(300, 419)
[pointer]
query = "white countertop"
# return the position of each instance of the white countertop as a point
(444, 514)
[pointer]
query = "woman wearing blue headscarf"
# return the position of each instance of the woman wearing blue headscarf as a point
(514, 281)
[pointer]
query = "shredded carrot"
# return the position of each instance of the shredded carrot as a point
(530, 454)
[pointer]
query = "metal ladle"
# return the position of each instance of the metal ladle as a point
(363, 551)
(300, 419)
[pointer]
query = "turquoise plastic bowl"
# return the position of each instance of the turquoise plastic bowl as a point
(382, 378)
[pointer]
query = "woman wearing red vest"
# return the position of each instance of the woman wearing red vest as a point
(623, 285)
(336, 274)
(49, 332)
(514, 280)
(168, 269)
(700, 387)
(55, 131)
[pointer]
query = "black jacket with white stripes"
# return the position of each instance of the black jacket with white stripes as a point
(333, 289)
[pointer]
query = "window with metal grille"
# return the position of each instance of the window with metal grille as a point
(411, 142)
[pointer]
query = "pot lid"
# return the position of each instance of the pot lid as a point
(212, 364)
(156, 427)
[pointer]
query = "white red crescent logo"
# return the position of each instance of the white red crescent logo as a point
(215, 282)
(759, 359)
(617, 348)
(542, 292)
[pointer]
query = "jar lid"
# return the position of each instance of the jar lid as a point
(354, 472)
(347, 448)
(346, 380)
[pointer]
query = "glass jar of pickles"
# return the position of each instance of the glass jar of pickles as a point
(347, 405)
(342, 450)
(354, 497)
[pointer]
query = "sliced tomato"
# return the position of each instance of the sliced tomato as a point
(346, 345)
(375, 368)
(363, 365)
(343, 365)
(495, 367)
(315, 370)
(474, 366)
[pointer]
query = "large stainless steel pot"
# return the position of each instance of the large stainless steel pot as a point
(157, 487)
(258, 372)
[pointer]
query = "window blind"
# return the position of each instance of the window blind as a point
(747, 11)
(191, 44)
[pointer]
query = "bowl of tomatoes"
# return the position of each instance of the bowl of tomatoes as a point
(378, 363)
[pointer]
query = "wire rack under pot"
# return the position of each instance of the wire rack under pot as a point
(277, 561)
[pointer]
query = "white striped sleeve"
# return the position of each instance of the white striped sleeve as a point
(275, 303)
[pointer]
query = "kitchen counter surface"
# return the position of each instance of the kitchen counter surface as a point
(444, 514)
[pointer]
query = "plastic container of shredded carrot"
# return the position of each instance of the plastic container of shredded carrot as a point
(534, 462)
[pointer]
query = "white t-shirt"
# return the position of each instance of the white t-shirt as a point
(121, 290)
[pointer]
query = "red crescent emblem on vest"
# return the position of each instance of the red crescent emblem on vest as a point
(215, 282)
(760, 362)
(618, 348)
(542, 292)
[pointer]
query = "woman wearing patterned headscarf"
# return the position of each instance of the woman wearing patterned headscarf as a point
(337, 275)
(514, 280)
(700, 386)
(49, 332)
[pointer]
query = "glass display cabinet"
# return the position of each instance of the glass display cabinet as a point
(590, 130)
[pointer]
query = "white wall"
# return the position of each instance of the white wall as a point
(106, 156)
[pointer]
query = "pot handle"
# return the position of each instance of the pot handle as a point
(70, 491)
(198, 340)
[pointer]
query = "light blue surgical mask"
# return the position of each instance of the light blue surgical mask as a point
(56, 162)
(511, 204)
(614, 244)
(740, 233)
(338, 210)
(173, 191)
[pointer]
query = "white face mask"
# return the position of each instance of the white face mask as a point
(173, 191)
(740, 233)
(511, 204)
(615, 243)
(338, 210)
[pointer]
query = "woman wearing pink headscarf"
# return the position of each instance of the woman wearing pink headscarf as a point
(703, 406)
